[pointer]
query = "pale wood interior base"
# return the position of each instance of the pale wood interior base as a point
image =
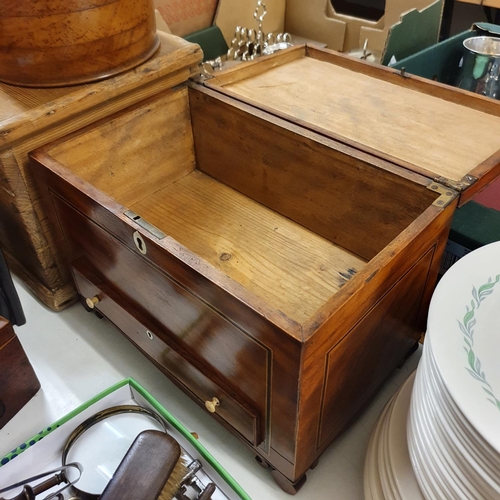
(271, 256)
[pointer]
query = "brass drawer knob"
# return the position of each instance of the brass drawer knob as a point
(211, 406)
(91, 302)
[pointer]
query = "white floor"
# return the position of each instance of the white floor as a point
(76, 355)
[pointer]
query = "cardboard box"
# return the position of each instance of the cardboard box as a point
(231, 13)
(35, 456)
(186, 16)
(406, 27)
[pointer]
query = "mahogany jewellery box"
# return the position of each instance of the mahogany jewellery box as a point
(270, 236)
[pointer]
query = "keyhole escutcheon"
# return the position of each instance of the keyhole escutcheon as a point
(140, 243)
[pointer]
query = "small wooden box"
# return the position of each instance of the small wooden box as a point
(18, 381)
(275, 272)
(31, 117)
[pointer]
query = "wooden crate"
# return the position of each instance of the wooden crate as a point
(276, 270)
(30, 118)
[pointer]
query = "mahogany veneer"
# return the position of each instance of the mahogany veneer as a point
(18, 381)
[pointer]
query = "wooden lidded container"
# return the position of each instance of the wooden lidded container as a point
(52, 43)
(32, 117)
(275, 262)
(18, 380)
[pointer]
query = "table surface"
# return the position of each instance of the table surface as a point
(76, 355)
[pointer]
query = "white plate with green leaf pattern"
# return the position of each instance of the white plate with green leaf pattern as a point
(464, 333)
(463, 479)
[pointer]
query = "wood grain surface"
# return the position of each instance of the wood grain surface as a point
(54, 43)
(437, 136)
(285, 264)
(141, 167)
(25, 111)
(30, 118)
(329, 188)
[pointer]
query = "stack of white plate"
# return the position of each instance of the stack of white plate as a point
(454, 420)
(448, 437)
(388, 469)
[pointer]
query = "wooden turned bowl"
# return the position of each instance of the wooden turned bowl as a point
(51, 43)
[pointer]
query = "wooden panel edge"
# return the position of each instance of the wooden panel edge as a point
(373, 274)
(57, 299)
(180, 62)
(255, 67)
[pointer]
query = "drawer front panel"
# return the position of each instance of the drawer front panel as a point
(230, 357)
(175, 359)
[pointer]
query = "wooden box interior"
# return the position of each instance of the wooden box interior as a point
(288, 216)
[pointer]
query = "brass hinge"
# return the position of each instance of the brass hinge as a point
(145, 224)
(460, 185)
(447, 194)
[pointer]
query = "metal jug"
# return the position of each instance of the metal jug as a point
(481, 66)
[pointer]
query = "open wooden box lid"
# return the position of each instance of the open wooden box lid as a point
(448, 135)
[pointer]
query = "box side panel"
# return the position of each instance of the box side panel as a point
(393, 322)
(23, 240)
(132, 154)
(370, 333)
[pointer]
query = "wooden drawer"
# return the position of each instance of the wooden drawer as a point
(175, 358)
